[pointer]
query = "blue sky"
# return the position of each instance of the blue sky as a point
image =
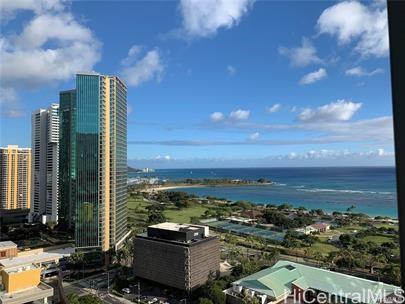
(225, 83)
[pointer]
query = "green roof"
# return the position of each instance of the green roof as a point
(276, 281)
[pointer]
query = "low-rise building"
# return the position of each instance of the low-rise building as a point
(182, 256)
(20, 275)
(321, 227)
(291, 282)
(306, 230)
(8, 249)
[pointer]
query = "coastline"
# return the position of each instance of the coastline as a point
(371, 190)
(165, 188)
(188, 188)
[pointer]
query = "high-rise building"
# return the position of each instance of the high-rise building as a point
(94, 163)
(45, 164)
(15, 177)
(67, 162)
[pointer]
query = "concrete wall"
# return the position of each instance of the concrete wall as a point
(21, 280)
(8, 253)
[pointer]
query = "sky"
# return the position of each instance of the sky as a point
(215, 83)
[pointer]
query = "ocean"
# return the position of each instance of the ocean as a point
(371, 189)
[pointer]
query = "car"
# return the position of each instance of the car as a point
(126, 290)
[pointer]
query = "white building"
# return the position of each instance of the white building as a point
(45, 162)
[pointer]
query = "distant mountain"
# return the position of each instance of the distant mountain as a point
(130, 169)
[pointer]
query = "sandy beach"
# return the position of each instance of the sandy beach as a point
(164, 188)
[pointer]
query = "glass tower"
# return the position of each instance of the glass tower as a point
(67, 162)
(98, 161)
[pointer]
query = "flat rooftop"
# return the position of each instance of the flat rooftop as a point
(28, 295)
(175, 226)
(7, 244)
(30, 259)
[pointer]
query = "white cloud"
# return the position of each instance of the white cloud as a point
(313, 76)
(231, 69)
(254, 136)
(9, 103)
(129, 109)
(8, 8)
(239, 114)
(340, 110)
(301, 56)
(52, 46)
(205, 18)
(352, 21)
(293, 109)
(336, 154)
(217, 116)
(163, 157)
(29, 61)
(149, 67)
(133, 53)
(7, 95)
(274, 108)
(359, 71)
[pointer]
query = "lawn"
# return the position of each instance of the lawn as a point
(380, 225)
(323, 248)
(350, 229)
(379, 239)
(184, 215)
(137, 213)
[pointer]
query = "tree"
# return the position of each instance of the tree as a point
(373, 260)
(346, 258)
(393, 272)
(204, 301)
(87, 299)
(249, 299)
(156, 217)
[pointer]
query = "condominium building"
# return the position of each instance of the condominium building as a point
(15, 177)
(67, 162)
(45, 164)
(182, 256)
(94, 160)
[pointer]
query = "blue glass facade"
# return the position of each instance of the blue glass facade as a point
(87, 160)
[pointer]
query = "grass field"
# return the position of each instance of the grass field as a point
(138, 214)
(379, 239)
(184, 215)
(323, 248)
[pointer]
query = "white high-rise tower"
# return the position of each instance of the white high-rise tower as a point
(45, 163)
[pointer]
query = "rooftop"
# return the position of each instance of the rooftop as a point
(28, 295)
(175, 226)
(7, 245)
(30, 259)
(277, 281)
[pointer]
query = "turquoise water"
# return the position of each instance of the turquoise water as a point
(371, 189)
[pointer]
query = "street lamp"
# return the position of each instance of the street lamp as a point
(139, 291)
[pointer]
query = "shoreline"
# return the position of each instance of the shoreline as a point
(188, 186)
(164, 188)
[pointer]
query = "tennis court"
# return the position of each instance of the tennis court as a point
(247, 230)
